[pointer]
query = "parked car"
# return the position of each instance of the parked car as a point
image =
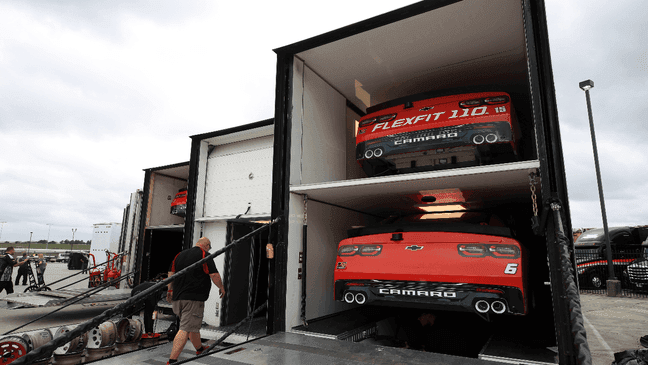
(469, 264)
(63, 257)
(591, 254)
(638, 269)
(436, 130)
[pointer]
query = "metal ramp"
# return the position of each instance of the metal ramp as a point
(294, 348)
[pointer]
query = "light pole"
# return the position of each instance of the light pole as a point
(48, 234)
(1, 227)
(73, 232)
(586, 86)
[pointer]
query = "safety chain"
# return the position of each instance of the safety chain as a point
(533, 180)
(305, 209)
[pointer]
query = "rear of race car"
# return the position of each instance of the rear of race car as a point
(434, 270)
(438, 132)
(179, 203)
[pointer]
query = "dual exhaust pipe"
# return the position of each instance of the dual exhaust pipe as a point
(357, 297)
(497, 306)
(373, 153)
(481, 306)
(489, 138)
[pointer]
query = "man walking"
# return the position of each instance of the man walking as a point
(188, 294)
(7, 263)
(23, 270)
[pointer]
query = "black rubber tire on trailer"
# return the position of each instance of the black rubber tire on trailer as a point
(31, 288)
(44, 288)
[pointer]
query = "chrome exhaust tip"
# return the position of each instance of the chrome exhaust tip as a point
(349, 297)
(491, 138)
(378, 152)
(482, 306)
(498, 307)
(360, 298)
(368, 154)
(478, 139)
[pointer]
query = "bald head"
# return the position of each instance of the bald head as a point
(204, 243)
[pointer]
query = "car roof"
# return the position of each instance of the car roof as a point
(598, 233)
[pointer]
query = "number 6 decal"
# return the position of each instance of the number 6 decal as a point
(511, 269)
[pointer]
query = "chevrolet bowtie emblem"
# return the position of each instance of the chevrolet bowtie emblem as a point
(426, 108)
(414, 248)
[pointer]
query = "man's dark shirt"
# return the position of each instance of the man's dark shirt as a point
(196, 284)
(6, 267)
(24, 268)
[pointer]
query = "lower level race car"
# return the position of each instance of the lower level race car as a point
(456, 266)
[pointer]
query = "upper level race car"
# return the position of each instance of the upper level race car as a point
(472, 264)
(421, 132)
(179, 203)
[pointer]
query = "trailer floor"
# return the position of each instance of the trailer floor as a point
(293, 348)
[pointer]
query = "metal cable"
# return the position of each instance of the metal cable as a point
(581, 347)
(256, 286)
(47, 349)
(74, 300)
(228, 274)
(250, 276)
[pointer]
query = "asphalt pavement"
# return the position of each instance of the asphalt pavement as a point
(613, 324)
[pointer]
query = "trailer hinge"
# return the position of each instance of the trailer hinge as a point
(538, 223)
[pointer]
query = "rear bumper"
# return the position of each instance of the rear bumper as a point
(433, 295)
(435, 138)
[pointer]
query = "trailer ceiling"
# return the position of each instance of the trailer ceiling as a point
(179, 172)
(466, 44)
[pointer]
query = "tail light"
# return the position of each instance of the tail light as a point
(370, 250)
(471, 103)
(507, 251)
(472, 250)
(362, 250)
(502, 99)
(494, 100)
(483, 250)
(347, 250)
(381, 118)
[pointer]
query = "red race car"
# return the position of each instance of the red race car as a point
(461, 265)
(179, 203)
(421, 132)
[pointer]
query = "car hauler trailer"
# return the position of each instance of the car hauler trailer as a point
(160, 234)
(229, 195)
(326, 84)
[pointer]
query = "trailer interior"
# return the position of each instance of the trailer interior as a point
(161, 232)
(331, 81)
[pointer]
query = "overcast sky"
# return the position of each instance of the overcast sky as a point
(92, 92)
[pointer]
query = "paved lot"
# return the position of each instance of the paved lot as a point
(55, 271)
(612, 324)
